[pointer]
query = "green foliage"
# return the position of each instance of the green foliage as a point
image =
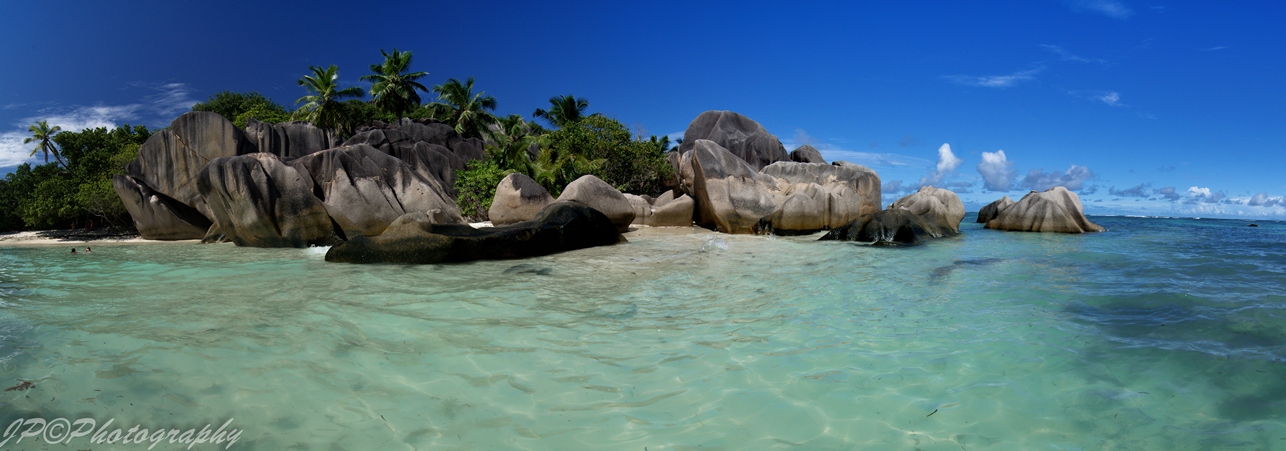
(43, 136)
(393, 89)
(602, 146)
(239, 106)
(477, 187)
(361, 113)
(460, 107)
(324, 106)
(49, 196)
(563, 110)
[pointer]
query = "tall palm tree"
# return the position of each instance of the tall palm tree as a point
(459, 107)
(393, 89)
(43, 136)
(564, 110)
(324, 106)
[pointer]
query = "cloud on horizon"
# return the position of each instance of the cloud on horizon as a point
(166, 101)
(997, 172)
(947, 164)
(1137, 191)
(1074, 179)
(995, 81)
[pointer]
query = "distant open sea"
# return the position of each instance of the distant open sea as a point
(1159, 334)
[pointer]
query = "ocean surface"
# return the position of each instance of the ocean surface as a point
(1159, 334)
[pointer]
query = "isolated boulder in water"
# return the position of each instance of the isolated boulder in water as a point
(170, 160)
(991, 210)
(288, 140)
(561, 226)
(742, 136)
(597, 194)
(258, 201)
(365, 189)
(936, 205)
(157, 216)
(1055, 210)
(518, 198)
(806, 154)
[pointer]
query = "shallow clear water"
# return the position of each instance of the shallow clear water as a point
(1160, 334)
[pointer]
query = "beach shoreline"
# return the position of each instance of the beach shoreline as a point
(54, 238)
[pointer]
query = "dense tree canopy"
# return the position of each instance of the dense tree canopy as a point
(239, 107)
(324, 105)
(458, 106)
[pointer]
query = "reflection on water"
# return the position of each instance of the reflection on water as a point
(1161, 334)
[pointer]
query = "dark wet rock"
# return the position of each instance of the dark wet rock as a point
(888, 227)
(170, 160)
(740, 135)
(1055, 210)
(364, 190)
(561, 226)
(289, 140)
(157, 216)
(258, 201)
(518, 198)
(597, 194)
(806, 154)
(991, 210)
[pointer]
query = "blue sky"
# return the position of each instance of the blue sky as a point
(1150, 108)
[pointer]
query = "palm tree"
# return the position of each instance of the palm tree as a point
(393, 89)
(459, 107)
(324, 107)
(512, 149)
(564, 110)
(43, 136)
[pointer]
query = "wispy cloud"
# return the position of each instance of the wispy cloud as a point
(1109, 8)
(1111, 98)
(836, 153)
(1141, 190)
(995, 81)
(1064, 55)
(162, 102)
(1216, 48)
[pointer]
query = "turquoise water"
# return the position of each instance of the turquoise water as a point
(1160, 334)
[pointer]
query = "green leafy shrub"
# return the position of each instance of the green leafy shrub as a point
(477, 187)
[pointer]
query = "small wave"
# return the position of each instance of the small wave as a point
(713, 243)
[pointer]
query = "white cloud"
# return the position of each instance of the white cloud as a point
(1109, 8)
(997, 172)
(1065, 55)
(947, 163)
(1074, 179)
(1216, 48)
(995, 81)
(1262, 200)
(836, 153)
(1111, 98)
(165, 102)
(1198, 192)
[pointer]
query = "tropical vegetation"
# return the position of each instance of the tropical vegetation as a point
(73, 188)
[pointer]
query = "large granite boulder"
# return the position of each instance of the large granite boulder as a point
(597, 194)
(289, 140)
(938, 205)
(416, 239)
(786, 198)
(258, 201)
(157, 216)
(742, 136)
(642, 208)
(991, 210)
(431, 148)
(518, 198)
(1055, 210)
(170, 160)
(806, 154)
(674, 213)
(928, 213)
(365, 190)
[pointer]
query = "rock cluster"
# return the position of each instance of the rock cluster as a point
(287, 185)
(740, 135)
(928, 213)
(1055, 210)
(664, 211)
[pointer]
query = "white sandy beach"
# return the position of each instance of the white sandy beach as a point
(42, 238)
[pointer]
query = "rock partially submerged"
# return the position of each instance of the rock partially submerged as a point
(1055, 210)
(664, 211)
(928, 213)
(157, 216)
(991, 210)
(416, 239)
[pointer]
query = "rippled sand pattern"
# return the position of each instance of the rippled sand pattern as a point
(1161, 334)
